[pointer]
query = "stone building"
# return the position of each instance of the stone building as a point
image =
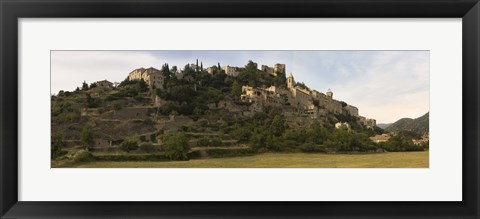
(330, 94)
(304, 98)
(421, 141)
(232, 71)
(370, 123)
(279, 69)
(267, 69)
(301, 97)
(304, 101)
(104, 83)
(211, 70)
(101, 86)
(151, 76)
(290, 81)
(342, 125)
(260, 95)
(380, 138)
(351, 110)
(275, 70)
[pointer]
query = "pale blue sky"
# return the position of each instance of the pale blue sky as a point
(385, 85)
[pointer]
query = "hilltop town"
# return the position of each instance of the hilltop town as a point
(296, 100)
(247, 109)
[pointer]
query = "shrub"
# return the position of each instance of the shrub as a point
(258, 141)
(216, 142)
(203, 142)
(148, 121)
(59, 153)
(203, 123)
(147, 148)
(153, 137)
(57, 144)
(138, 98)
(87, 137)
(83, 156)
(117, 106)
(312, 148)
(132, 157)
(412, 147)
(176, 146)
(129, 146)
(221, 152)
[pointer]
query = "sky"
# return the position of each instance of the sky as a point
(384, 85)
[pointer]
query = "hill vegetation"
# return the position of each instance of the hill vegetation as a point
(418, 126)
(197, 114)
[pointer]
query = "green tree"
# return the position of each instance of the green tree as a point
(258, 141)
(278, 125)
(316, 134)
(176, 146)
(174, 70)
(166, 71)
(280, 80)
(251, 66)
(241, 133)
(87, 137)
(129, 146)
(236, 90)
(340, 139)
(203, 142)
(302, 85)
(84, 86)
(141, 86)
(216, 142)
(57, 145)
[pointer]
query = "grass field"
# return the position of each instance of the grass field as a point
(288, 160)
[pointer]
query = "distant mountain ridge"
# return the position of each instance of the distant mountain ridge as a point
(384, 125)
(419, 125)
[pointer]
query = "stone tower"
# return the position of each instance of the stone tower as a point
(279, 68)
(329, 94)
(290, 81)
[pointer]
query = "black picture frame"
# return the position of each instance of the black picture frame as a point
(12, 10)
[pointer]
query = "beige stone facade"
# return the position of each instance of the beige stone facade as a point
(104, 83)
(308, 102)
(232, 71)
(260, 95)
(275, 70)
(421, 141)
(279, 69)
(267, 69)
(380, 138)
(211, 70)
(152, 76)
(351, 110)
(342, 125)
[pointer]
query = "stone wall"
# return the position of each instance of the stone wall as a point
(130, 113)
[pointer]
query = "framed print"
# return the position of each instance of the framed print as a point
(239, 109)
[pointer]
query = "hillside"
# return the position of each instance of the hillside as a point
(195, 113)
(419, 125)
(384, 125)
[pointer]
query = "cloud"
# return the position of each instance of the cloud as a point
(396, 85)
(70, 68)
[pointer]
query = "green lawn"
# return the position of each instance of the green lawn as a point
(289, 160)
